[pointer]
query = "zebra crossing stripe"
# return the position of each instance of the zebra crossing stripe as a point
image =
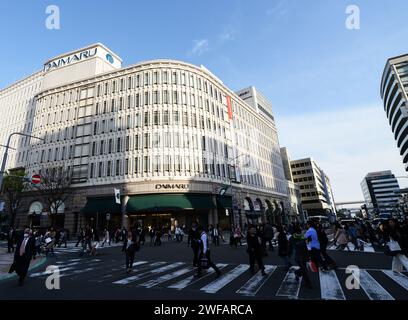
(191, 280)
(166, 277)
(253, 285)
(148, 273)
(290, 287)
(330, 287)
(220, 283)
(372, 288)
(44, 273)
(398, 277)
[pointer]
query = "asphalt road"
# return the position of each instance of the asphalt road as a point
(166, 272)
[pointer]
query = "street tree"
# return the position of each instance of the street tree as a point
(54, 189)
(13, 187)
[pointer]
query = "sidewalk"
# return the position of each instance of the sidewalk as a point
(6, 259)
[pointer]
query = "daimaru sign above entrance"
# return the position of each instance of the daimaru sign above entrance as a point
(83, 54)
(70, 59)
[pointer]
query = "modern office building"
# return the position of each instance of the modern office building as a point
(381, 192)
(296, 210)
(169, 135)
(394, 90)
(315, 188)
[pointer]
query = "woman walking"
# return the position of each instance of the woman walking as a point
(283, 245)
(340, 237)
(130, 247)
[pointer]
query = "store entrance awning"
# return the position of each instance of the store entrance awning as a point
(101, 206)
(163, 202)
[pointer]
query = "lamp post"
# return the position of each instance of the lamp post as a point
(7, 146)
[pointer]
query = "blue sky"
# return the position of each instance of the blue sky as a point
(322, 79)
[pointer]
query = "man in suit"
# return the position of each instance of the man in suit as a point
(23, 255)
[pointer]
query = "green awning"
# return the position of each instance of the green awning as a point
(224, 202)
(162, 202)
(101, 205)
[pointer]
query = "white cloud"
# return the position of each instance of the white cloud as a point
(200, 46)
(227, 35)
(346, 144)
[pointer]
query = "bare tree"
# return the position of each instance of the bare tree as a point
(54, 189)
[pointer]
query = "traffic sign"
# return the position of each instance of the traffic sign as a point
(36, 179)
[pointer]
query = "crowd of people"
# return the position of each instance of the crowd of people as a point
(302, 245)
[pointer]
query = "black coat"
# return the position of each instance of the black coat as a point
(254, 245)
(282, 244)
(194, 238)
(22, 263)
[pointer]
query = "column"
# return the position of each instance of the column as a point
(125, 220)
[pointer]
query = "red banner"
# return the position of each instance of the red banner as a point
(229, 108)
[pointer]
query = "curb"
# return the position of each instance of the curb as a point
(35, 265)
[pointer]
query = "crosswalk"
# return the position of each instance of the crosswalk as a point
(76, 250)
(236, 280)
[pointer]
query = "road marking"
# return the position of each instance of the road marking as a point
(191, 280)
(39, 274)
(220, 283)
(73, 260)
(290, 287)
(398, 277)
(166, 277)
(330, 287)
(148, 273)
(372, 288)
(253, 285)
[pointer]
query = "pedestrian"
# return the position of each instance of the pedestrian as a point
(254, 250)
(204, 254)
(11, 235)
(106, 237)
(352, 234)
(237, 236)
(178, 234)
(397, 245)
(22, 256)
(340, 237)
(81, 236)
(63, 238)
(49, 242)
(87, 244)
(283, 246)
(95, 243)
(130, 246)
(215, 234)
(194, 241)
(324, 241)
(313, 245)
(38, 240)
(268, 235)
(298, 248)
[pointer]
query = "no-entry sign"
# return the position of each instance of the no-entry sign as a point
(36, 179)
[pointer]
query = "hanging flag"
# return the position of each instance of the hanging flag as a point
(117, 196)
(229, 108)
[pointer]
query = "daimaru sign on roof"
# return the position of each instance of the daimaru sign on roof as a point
(97, 50)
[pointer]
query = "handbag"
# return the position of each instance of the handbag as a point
(12, 268)
(392, 248)
(204, 263)
(48, 240)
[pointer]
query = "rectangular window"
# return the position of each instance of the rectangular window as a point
(137, 142)
(100, 169)
(155, 97)
(126, 166)
(110, 146)
(91, 171)
(185, 118)
(174, 77)
(108, 169)
(138, 81)
(146, 79)
(175, 97)
(166, 118)
(118, 145)
(127, 143)
(136, 165)
(129, 83)
(146, 141)
(165, 77)
(165, 96)
(156, 118)
(95, 128)
(137, 100)
(120, 103)
(146, 98)
(117, 167)
(176, 117)
(184, 98)
(113, 86)
(128, 122)
(145, 164)
(101, 147)
(137, 120)
(176, 140)
(146, 119)
(155, 77)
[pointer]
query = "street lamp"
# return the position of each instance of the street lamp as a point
(7, 146)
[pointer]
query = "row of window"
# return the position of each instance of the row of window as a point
(308, 171)
(298, 165)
